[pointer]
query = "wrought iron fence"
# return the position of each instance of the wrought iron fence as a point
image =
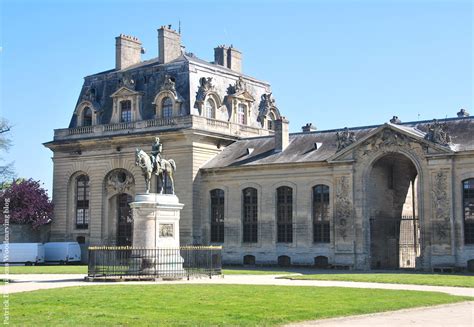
(138, 263)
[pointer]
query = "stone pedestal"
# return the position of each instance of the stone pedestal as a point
(156, 226)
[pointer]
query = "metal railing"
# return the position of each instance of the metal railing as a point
(111, 262)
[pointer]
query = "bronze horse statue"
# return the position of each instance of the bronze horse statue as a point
(142, 159)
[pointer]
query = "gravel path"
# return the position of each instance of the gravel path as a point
(460, 314)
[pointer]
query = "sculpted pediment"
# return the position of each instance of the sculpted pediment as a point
(124, 92)
(244, 95)
(390, 138)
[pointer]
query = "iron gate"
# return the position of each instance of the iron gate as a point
(394, 242)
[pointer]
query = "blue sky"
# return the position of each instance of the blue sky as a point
(332, 63)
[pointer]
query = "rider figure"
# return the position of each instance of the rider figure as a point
(156, 149)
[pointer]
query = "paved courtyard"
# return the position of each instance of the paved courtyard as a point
(460, 314)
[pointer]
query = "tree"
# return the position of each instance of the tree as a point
(6, 170)
(28, 203)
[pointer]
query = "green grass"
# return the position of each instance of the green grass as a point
(57, 269)
(395, 278)
(204, 305)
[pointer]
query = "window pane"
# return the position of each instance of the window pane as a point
(468, 210)
(217, 215)
(210, 109)
(321, 214)
(241, 114)
(250, 215)
(285, 214)
(167, 107)
(87, 117)
(82, 201)
(125, 111)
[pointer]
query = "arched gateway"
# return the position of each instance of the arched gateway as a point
(393, 208)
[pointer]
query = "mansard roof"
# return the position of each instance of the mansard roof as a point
(148, 77)
(321, 146)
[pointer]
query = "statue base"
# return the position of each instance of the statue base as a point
(156, 227)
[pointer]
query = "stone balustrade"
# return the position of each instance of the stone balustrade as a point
(160, 124)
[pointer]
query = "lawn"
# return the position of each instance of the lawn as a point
(82, 269)
(204, 305)
(395, 278)
(57, 269)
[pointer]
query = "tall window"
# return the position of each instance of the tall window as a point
(125, 111)
(285, 214)
(87, 117)
(124, 220)
(241, 114)
(250, 215)
(82, 202)
(321, 214)
(217, 215)
(210, 109)
(167, 107)
(468, 210)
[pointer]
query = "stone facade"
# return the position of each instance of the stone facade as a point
(225, 132)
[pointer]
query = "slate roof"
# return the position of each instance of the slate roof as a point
(302, 145)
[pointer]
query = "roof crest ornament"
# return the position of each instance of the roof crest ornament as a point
(437, 133)
(345, 138)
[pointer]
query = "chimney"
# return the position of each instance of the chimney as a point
(220, 55)
(228, 57)
(169, 44)
(308, 128)
(282, 136)
(128, 50)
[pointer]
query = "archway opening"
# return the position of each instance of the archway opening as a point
(393, 206)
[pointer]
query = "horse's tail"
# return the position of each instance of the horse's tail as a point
(173, 164)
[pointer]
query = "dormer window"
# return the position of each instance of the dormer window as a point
(210, 109)
(167, 107)
(87, 116)
(125, 111)
(241, 119)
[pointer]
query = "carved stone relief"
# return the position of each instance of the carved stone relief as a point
(119, 181)
(168, 84)
(441, 208)
(343, 207)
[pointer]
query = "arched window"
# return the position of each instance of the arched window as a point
(468, 210)
(321, 214)
(86, 116)
(249, 260)
(217, 216)
(284, 261)
(250, 215)
(210, 109)
(167, 108)
(82, 202)
(125, 111)
(284, 214)
(241, 114)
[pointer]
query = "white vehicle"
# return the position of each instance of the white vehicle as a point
(27, 253)
(62, 252)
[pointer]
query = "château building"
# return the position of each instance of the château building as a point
(386, 196)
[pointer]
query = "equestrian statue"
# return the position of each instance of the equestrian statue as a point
(155, 164)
